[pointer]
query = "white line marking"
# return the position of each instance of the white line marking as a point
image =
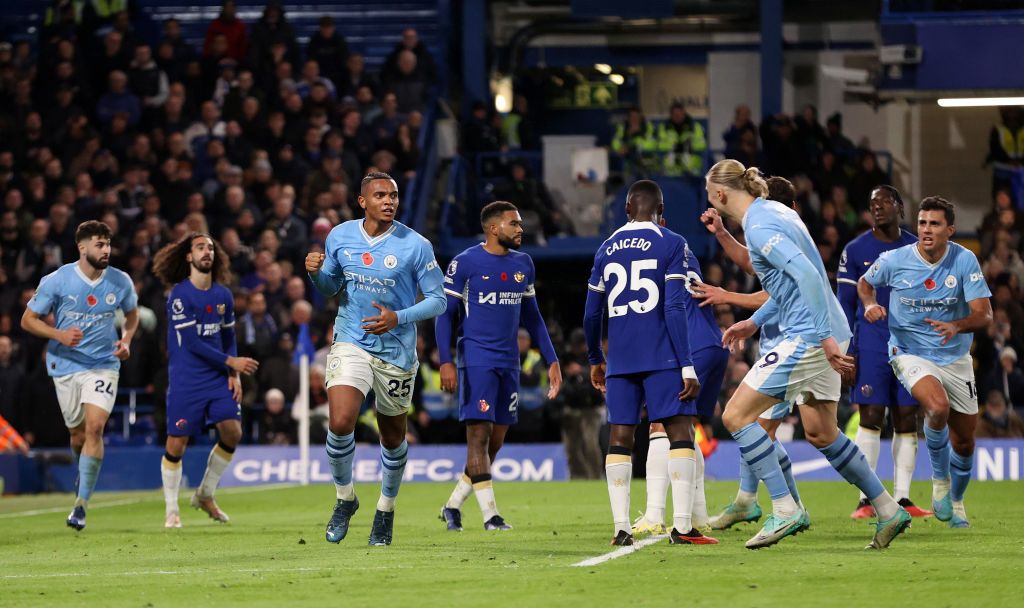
(132, 501)
(115, 503)
(621, 551)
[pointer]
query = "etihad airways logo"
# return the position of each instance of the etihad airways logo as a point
(365, 279)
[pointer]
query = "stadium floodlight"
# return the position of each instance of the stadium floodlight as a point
(604, 68)
(976, 102)
(617, 79)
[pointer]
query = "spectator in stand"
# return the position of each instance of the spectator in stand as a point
(272, 40)
(1006, 144)
(357, 138)
(233, 29)
(277, 427)
(181, 51)
(810, 135)
(635, 140)
(541, 217)
(828, 174)
(830, 218)
(243, 89)
(115, 56)
(385, 126)
(208, 126)
(682, 140)
(117, 100)
(425, 65)
(278, 371)
(478, 132)
(733, 136)
(1007, 379)
(311, 76)
(1002, 201)
(12, 384)
(291, 230)
(866, 178)
(997, 421)
(39, 257)
(746, 151)
(518, 130)
(583, 412)
(355, 77)
(1004, 259)
(329, 49)
(257, 333)
(408, 85)
(785, 155)
(839, 144)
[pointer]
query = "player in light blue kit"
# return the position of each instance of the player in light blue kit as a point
(744, 508)
(805, 366)
(876, 388)
(375, 266)
(84, 353)
(938, 298)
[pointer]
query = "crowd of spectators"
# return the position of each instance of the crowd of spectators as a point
(261, 143)
(252, 138)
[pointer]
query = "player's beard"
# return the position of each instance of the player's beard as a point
(508, 243)
(205, 270)
(96, 263)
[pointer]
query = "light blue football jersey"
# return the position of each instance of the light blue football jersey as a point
(386, 269)
(776, 235)
(920, 290)
(90, 305)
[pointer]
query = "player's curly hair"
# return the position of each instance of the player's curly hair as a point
(171, 266)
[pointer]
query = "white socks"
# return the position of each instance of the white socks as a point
(870, 443)
(461, 492)
(216, 464)
(885, 506)
(484, 491)
(618, 469)
(682, 466)
(345, 492)
(170, 472)
(904, 458)
(657, 478)
(386, 503)
(700, 503)
(785, 507)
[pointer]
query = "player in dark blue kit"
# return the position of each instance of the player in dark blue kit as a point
(203, 367)
(876, 387)
(490, 289)
(709, 360)
(639, 276)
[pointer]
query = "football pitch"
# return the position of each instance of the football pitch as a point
(273, 553)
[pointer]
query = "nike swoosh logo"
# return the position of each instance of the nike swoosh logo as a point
(909, 284)
(867, 263)
(485, 277)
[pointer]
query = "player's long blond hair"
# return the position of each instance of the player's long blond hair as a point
(171, 265)
(732, 174)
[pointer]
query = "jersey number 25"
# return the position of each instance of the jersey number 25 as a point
(636, 283)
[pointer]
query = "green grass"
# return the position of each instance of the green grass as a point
(126, 558)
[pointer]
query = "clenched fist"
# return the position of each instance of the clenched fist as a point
(314, 261)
